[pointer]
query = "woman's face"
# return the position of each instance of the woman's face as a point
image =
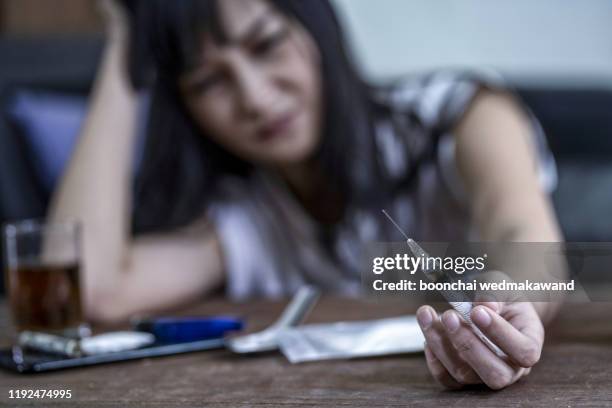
(259, 94)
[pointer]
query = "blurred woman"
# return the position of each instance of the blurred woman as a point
(268, 160)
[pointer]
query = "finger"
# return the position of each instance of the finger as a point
(438, 371)
(493, 305)
(493, 371)
(442, 348)
(522, 347)
(524, 317)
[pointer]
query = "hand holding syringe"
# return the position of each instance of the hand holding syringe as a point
(457, 300)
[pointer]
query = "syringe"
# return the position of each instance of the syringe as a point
(457, 300)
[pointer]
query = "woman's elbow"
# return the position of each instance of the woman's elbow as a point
(105, 308)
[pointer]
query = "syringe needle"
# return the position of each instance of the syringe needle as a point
(395, 223)
(414, 247)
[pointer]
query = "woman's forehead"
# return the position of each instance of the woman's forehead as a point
(240, 21)
(239, 17)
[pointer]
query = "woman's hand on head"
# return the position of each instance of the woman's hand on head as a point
(457, 357)
(115, 18)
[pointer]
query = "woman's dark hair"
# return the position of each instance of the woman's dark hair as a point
(181, 167)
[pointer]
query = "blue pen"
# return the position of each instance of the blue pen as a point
(187, 329)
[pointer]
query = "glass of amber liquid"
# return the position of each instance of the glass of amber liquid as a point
(43, 277)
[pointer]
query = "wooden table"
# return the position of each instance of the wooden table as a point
(575, 370)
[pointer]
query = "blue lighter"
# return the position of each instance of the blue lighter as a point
(186, 329)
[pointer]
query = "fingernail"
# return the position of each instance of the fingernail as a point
(481, 317)
(451, 321)
(425, 318)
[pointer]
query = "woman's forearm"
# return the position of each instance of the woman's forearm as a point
(96, 187)
(498, 164)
